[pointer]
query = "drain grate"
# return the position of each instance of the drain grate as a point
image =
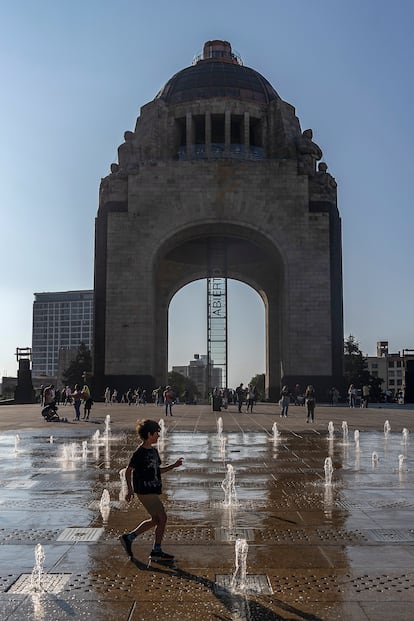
(80, 534)
(254, 584)
(231, 534)
(19, 484)
(50, 583)
(27, 536)
(43, 505)
(391, 535)
(349, 506)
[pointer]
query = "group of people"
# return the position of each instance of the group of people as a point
(139, 396)
(358, 398)
(133, 396)
(50, 397)
(309, 400)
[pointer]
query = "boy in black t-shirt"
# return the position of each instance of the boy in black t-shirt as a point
(143, 477)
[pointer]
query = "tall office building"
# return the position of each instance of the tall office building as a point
(61, 321)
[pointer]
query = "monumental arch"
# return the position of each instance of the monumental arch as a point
(218, 166)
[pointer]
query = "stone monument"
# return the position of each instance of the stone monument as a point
(218, 159)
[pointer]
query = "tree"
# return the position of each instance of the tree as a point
(356, 369)
(258, 382)
(179, 383)
(355, 366)
(81, 364)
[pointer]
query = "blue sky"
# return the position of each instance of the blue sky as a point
(74, 76)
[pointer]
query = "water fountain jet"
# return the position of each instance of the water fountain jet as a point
(275, 433)
(229, 488)
(162, 431)
(37, 571)
(328, 467)
(105, 505)
(238, 581)
(345, 432)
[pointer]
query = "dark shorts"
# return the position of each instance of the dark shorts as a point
(152, 503)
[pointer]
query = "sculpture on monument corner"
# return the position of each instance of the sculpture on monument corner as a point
(308, 153)
(322, 183)
(113, 185)
(127, 154)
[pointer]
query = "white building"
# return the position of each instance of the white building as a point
(395, 369)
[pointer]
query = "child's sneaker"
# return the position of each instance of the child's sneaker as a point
(160, 555)
(127, 544)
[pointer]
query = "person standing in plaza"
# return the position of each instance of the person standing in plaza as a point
(365, 395)
(77, 399)
(168, 400)
(143, 477)
(284, 401)
(251, 396)
(310, 400)
(240, 396)
(352, 395)
(87, 402)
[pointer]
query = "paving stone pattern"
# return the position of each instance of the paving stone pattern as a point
(316, 552)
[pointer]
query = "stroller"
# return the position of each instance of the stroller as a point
(49, 412)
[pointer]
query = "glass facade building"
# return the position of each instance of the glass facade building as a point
(61, 320)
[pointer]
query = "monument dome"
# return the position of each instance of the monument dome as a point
(217, 72)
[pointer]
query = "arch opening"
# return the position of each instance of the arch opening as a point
(187, 331)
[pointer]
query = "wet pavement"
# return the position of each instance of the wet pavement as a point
(316, 551)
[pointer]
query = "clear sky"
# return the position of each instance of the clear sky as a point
(74, 76)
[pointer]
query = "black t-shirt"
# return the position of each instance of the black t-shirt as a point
(147, 475)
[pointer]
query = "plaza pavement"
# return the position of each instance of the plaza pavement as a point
(316, 552)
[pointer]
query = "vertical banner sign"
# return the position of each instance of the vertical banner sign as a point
(217, 332)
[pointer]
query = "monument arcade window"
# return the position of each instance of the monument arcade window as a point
(255, 133)
(237, 136)
(181, 130)
(199, 129)
(217, 129)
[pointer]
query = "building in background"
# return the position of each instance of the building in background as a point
(61, 322)
(197, 371)
(395, 369)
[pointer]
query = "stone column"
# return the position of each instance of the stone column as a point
(208, 134)
(227, 132)
(189, 135)
(246, 127)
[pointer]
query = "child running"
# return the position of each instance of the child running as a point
(143, 477)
